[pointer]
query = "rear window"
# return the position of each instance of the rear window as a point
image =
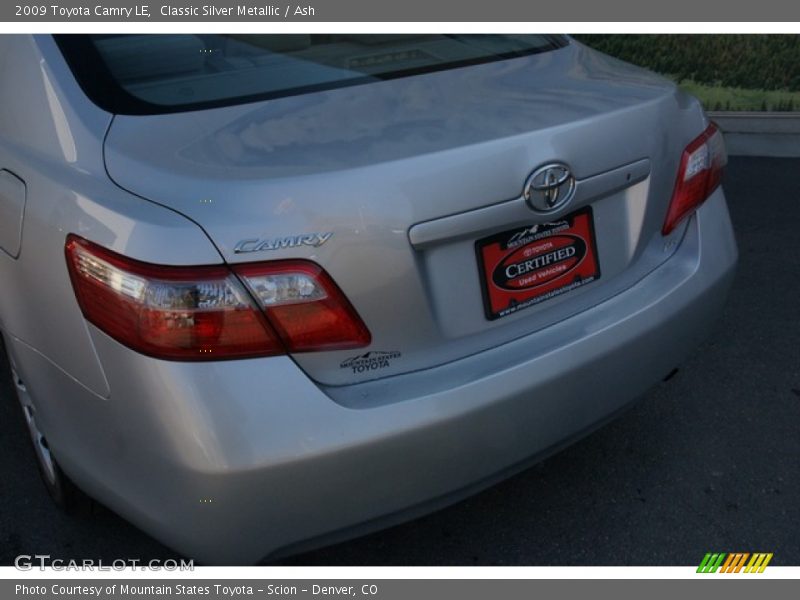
(150, 74)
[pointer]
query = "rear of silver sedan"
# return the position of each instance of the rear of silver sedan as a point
(440, 258)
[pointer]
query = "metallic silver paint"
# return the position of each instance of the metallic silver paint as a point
(12, 211)
(371, 162)
(408, 173)
(282, 461)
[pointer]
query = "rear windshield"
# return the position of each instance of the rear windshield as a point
(150, 74)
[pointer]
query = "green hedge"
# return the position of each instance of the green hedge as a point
(765, 62)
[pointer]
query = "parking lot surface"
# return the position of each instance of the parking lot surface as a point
(707, 461)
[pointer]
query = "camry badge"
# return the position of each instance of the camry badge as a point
(292, 241)
(549, 187)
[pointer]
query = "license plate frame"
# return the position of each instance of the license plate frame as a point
(530, 264)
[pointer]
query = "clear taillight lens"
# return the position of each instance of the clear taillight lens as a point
(207, 313)
(699, 174)
(305, 306)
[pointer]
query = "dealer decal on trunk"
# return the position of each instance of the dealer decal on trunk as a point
(528, 265)
(371, 361)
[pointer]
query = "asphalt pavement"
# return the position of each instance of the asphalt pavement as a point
(707, 461)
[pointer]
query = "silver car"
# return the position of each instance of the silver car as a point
(263, 293)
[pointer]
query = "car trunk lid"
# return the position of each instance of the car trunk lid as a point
(390, 185)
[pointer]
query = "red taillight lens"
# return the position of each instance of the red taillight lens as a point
(206, 313)
(304, 306)
(699, 174)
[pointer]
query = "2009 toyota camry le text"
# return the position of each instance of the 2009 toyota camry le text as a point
(264, 292)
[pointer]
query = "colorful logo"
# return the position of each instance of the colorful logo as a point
(734, 562)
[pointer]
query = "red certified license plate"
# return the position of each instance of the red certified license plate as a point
(528, 265)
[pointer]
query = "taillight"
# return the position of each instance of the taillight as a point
(304, 306)
(207, 313)
(699, 174)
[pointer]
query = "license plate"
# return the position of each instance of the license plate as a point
(528, 265)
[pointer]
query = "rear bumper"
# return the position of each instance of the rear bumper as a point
(230, 462)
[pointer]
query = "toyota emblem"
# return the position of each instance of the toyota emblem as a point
(549, 188)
